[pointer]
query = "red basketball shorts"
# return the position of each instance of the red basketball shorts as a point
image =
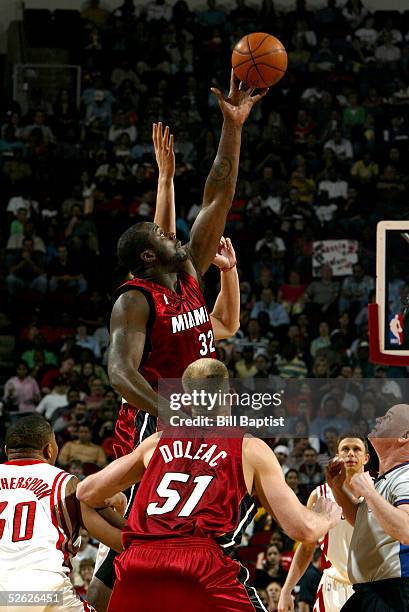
(183, 575)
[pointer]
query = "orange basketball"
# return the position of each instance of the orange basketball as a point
(259, 60)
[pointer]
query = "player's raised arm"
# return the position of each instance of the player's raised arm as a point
(165, 215)
(225, 315)
(221, 183)
(119, 475)
(129, 319)
(298, 522)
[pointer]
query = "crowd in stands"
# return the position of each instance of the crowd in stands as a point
(324, 156)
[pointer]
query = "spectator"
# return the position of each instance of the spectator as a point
(54, 400)
(388, 53)
(273, 591)
(354, 12)
(121, 125)
(291, 294)
(21, 392)
(341, 147)
(81, 230)
(291, 365)
(322, 341)
(355, 290)
(27, 272)
(82, 449)
(16, 242)
(328, 417)
(88, 369)
(282, 453)
(334, 186)
(367, 34)
(245, 367)
(74, 412)
(38, 344)
(276, 312)
(65, 273)
(86, 571)
(293, 482)
(39, 124)
(75, 468)
(96, 397)
(353, 116)
(268, 568)
(323, 294)
(84, 340)
(17, 225)
(310, 473)
(365, 171)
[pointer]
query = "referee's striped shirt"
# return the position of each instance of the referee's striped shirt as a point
(374, 555)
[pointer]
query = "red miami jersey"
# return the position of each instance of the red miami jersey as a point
(179, 331)
(193, 487)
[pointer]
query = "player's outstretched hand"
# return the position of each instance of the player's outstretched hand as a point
(286, 602)
(335, 473)
(164, 152)
(118, 502)
(239, 102)
(330, 508)
(225, 258)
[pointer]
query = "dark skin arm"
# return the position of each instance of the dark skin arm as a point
(129, 319)
(220, 186)
(105, 529)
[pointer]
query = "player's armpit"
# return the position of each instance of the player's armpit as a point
(129, 320)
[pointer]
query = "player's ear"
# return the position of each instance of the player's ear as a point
(366, 460)
(403, 439)
(148, 256)
(48, 451)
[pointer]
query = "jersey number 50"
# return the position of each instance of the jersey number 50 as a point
(173, 497)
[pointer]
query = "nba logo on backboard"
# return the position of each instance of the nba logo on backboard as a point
(395, 330)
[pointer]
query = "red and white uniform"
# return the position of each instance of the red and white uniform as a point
(190, 511)
(334, 588)
(36, 534)
(179, 331)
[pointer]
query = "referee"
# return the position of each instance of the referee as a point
(378, 560)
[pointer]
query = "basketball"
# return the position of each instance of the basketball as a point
(259, 60)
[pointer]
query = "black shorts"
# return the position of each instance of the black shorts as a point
(106, 571)
(380, 596)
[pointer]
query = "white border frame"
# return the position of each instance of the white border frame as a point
(381, 230)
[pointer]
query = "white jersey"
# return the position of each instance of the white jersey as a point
(335, 545)
(35, 528)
